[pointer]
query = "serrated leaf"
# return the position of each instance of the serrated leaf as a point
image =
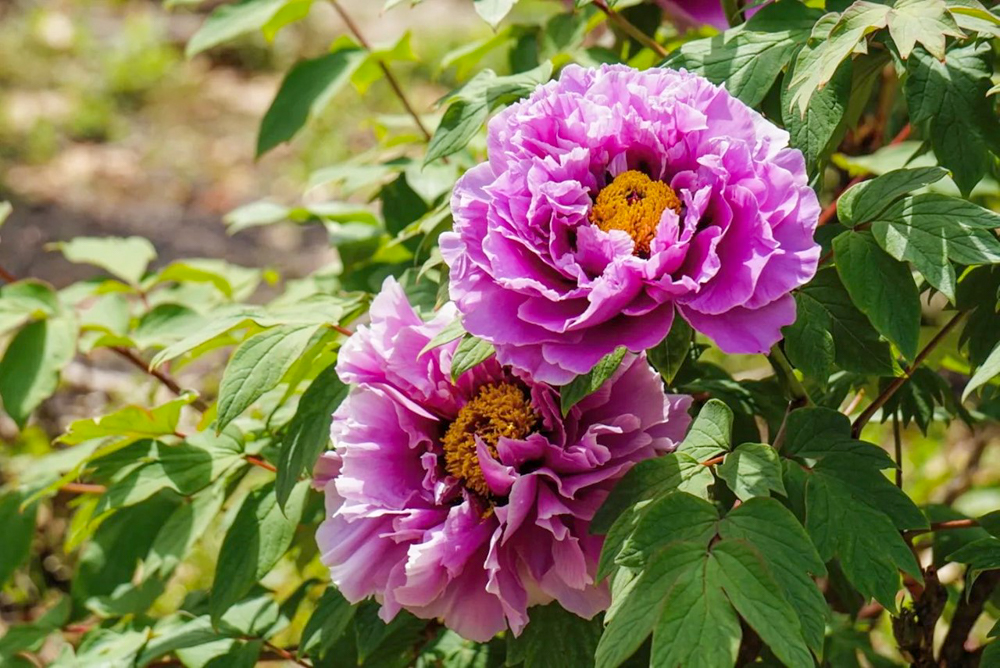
(814, 69)
(981, 555)
(308, 433)
(815, 433)
(752, 469)
(636, 616)
(951, 97)
(257, 366)
(864, 201)
(677, 516)
(748, 59)
(791, 556)
(305, 92)
(124, 257)
(29, 370)
(710, 433)
(816, 131)
(259, 536)
(583, 386)
(752, 590)
(471, 352)
(830, 328)
(865, 540)
(986, 372)
(881, 287)
(921, 21)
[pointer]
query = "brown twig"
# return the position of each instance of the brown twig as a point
(286, 655)
(389, 76)
(631, 30)
(7, 276)
(944, 526)
(166, 380)
(257, 461)
(898, 382)
(953, 652)
(83, 488)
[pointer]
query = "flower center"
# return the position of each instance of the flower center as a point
(499, 409)
(633, 202)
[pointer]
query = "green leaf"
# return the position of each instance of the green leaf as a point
(951, 97)
(184, 527)
(583, 386)
(668, 356)
(651, 478)
(305, 92)
(471, 352)
(751, 588)
(29, 370)
(646, 598)
(327, 624)
(829, 328)
(752, 469)
(815, 68)
(18, 530)
(257, 538)
(124, 257)
(816, 131)
(556, 637)
(453, 330)
(881, 287)
(711, 432)
(921, 21)
(864, 201)
(185, 468)
(493, 11)
(5, 210)
(865, 540)
(815, 433)
(257, 366)
(789, 554)
(308, 433)
(748, 59)
(230, 21)
(24, 301)
(981, 555)
(677, 516)
(470, 105)
(986, 372)
(130, 422)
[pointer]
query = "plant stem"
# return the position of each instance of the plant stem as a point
(898, 382)
(165, 379)
(631, 30)
(713, 461)
(897, 439)
(784, 368)
(389, 76)
(257, 461)
(83, 488)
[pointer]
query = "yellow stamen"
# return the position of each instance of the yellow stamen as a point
(500, 409)
(633, 202)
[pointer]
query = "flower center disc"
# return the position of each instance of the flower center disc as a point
(499, 409)
(634, 203)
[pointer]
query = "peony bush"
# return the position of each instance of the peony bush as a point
(673, 340)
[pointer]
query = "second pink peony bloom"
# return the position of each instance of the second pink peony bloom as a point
(614, 199)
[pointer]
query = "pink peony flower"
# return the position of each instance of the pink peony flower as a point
(613, 199)
(471, 502)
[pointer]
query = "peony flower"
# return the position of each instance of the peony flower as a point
(614, 199)
(471, 501)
